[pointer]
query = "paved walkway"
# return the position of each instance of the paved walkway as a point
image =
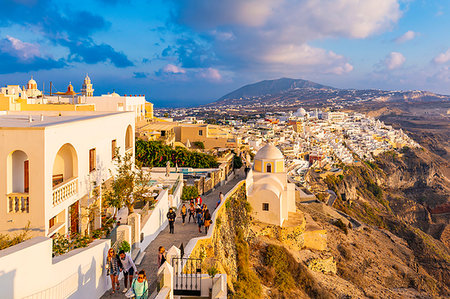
(183, 233)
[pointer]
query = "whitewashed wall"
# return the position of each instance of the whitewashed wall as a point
(28, 270)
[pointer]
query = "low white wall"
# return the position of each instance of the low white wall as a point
(157, 220)
(28, 270)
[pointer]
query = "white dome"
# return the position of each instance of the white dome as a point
(32, 81)
(269, 152)
(300, 112)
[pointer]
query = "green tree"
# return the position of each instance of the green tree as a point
(189, 192)
(129, 184)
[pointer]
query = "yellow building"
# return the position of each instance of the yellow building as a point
(157, 131)
(149, 110)
(212, 136)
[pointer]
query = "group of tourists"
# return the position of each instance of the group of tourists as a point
(198, 212)
(135, 286)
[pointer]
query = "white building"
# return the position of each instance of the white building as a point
(115, 103)
(49, 164)
(272, 198)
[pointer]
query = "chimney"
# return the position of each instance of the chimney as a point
(30, 119)
(42, 117)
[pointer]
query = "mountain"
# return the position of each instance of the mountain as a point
(287, 92)
(271, 87)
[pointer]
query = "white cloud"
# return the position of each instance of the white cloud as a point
(271, 35)
(211, 74)
(408, 35)
(19, 48)
(442, 57)
(394, 60)
(173, 69)
(307, 58)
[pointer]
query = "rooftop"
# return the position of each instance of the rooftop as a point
(23, 120)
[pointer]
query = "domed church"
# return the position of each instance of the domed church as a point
(271, 196)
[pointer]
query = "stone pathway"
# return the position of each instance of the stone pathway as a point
(183, 233)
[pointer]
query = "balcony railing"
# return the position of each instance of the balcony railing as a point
(65, 190)
(18, 203)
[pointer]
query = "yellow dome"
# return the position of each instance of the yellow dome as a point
(269, 152)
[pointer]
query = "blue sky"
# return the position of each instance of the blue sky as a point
(189, 52)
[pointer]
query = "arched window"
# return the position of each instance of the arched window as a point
(129, 138)
(269, 168)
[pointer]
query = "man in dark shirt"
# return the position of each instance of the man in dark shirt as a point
(171, 216)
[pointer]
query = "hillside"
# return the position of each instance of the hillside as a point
(272, 87)
(291, 93)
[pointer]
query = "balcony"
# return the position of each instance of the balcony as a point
(18, 203)
(65, 190)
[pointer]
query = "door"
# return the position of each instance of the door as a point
(74, 216)
(26, 176)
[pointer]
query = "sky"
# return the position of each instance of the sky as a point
(191, 52)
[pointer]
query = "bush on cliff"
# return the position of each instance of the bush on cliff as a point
(288, 275)
(248, 284)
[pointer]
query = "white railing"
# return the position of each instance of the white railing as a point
(18, 203)
(65, 190)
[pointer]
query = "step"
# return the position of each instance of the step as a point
(140, 257)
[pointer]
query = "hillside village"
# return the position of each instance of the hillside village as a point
(299, 201)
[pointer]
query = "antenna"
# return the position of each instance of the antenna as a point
(51, 85)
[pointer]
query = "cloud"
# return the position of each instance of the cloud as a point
(140, 75)
(273, 36)
(67, 28)
(17, 56)
(442, 57)
(210, 74)
(408, 35)
(190, 53)
(89, 52)
(19, 48)
(394, 60)
(307, 58)
(173, 69)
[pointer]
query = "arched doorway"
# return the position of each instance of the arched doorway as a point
(65, 165)
(269, 167)
(18, 172)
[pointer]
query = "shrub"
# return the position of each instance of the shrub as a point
(289, 274)
(189, 192)
(199, 144)
(125, 246)
(237, 162)
(338, 223)
(248, 284)
(8, 241)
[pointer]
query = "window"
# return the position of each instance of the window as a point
(265, 206)
(113, 148)
(92, 161)
(200, 132)
(52, 222)
(269, 167)
(163, 133)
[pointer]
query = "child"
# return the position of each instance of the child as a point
(140, 286)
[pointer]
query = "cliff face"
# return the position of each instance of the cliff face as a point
(398, 193)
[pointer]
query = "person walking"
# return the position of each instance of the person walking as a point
(199, 219)
(140, 286)
(128, 268)
(191, 212)
(220, 199)
(171, 216)
(199, 200)
(183, 213)
(161, 256)
(112, 269)
(207, 217)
